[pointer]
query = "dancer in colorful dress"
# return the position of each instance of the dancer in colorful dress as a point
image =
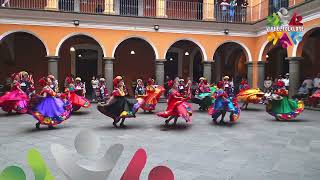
(54, 85)
(177, 106)
(76, 94)
(153, 93)
(140, 92)
(281, 107)
(15, 99)
(247, 95)
(203, 95)
(314, 99)
(27, 83)
(188, 88)
(118, 106)
(50, 109)
(102, 91)
(228, 87)
(223, 104)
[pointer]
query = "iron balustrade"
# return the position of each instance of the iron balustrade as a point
(171, 9)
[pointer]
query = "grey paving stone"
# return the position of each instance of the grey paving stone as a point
(257, 147)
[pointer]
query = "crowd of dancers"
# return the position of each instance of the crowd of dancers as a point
(51, 107)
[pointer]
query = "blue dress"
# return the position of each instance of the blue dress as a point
(51, 110)
(223, 103)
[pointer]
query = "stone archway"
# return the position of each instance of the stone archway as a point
(23, 51)
(184, 59)
(80, 51)
(230, 60)
(134, 58)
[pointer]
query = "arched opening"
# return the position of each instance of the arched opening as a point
(21, 51)
(230, 60)
(309, 49)
(134, 58)
(80, 55)
(184, 59)
(276, 64)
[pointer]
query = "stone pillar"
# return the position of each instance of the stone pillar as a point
(108, 7)
(160, 71)
(261, 73)
(250, 73)
(294, 71)
(208, 10)
(161, 8)
(52, 5)
(207, 70)
(108, 72)
(53, 66)
(140, 8)
(213, 72)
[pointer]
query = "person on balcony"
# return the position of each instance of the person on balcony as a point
(244, 6)
(99, 9)
(6, 3)
(233, 4)
(224, 7)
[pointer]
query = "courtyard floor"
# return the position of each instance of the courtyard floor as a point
(255, 148)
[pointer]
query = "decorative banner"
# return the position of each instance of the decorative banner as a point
(278, 28)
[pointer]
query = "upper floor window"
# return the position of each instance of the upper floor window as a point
(275, 5)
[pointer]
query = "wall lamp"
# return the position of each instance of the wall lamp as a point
(226, 31)
(76, 22)
(156, 27)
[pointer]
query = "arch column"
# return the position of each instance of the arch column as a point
(109, 5)
(108, 72)
(207, 70)
(161, 8)
(261, 73)
(208, 10)
(160, 71)
(294, 71)
(250, 73)
(53, 66)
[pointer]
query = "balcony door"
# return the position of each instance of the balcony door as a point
(129, 7)
(275, 5)
(66, 5)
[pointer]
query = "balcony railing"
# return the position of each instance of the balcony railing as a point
(171, 9)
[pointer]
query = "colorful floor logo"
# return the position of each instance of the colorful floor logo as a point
(86, 143)
(282, 31)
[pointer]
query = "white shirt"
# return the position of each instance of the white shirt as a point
(316, 82)
(95, 83)
(286, 81)
(224, 6)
